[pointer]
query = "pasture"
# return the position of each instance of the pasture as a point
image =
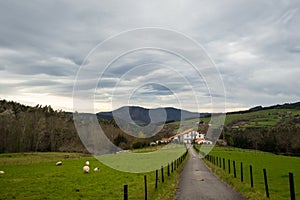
(35, 176)
(143, 161)
(278, 168)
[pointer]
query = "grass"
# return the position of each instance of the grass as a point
(262, 118)
(277, 168)
(143, 162)
(148, 149)
(35, 176)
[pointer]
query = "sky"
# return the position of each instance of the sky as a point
(249, 55)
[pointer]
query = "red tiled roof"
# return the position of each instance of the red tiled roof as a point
(199, 139)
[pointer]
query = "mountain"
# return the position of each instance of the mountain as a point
(143, 115)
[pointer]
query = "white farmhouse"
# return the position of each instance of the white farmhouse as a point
(189, 137)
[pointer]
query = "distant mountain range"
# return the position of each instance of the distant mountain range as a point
(144, 115)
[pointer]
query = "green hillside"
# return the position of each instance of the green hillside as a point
(263, 118)
(274, 129)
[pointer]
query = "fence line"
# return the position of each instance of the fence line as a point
(211, 159)
(174, 163)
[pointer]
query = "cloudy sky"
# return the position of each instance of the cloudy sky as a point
(46, 47)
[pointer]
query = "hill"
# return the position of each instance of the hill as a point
(142, 115)
(274, 129)
(295, 105)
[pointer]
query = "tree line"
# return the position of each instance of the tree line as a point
(43, 129)
(40, 128)
(282, 139)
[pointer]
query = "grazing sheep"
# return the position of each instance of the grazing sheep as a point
(87, 163)
(96, 169)
(1, 172)
(86, 169)
(58, 163)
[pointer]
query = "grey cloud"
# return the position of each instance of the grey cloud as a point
(49, 70)
(247, 40)
(156, 89)
(40, 83)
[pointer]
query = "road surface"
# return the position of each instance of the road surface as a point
(198, 182)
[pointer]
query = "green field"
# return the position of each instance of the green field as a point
(262, 118)
(35, 176)
(143, 162)
(278, 168)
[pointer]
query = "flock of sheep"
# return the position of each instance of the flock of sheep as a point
(86, 167)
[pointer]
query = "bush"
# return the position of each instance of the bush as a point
(138, 145)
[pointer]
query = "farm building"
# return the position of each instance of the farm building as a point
(187, 137)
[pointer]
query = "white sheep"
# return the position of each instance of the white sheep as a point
(96, 169)
(1, 172)
(58, 163)
(86, 169)
(87, 163)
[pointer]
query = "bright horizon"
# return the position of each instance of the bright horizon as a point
(146, 107)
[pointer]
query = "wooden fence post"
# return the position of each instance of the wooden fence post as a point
(234, 170)
(162, 174)
(224, 163)
(168, 169)
(266, 183)
(242, 175)
(215, 160)
(292, 187)
(228, 166)
(251, 176)
(125, 192)
(174, 164)
(145, 182)
(156, 178)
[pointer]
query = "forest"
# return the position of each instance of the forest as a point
(43, 129)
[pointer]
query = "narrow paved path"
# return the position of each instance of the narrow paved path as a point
(198, 182)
